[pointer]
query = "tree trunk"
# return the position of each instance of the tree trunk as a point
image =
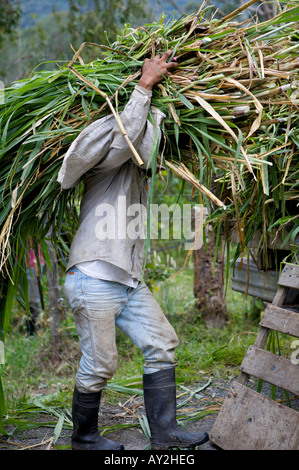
(208, 284)
(55, 305)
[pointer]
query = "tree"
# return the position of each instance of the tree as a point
(55, 304)
(97, 20)
(48, 41)
(208, 284)
(9, 18)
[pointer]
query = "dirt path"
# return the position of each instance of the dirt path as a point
(121, 422)
(126, 413)
(133, 438)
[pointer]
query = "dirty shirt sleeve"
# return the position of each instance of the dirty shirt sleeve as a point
(102, 144)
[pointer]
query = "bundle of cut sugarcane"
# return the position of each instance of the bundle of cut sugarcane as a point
(231, 120)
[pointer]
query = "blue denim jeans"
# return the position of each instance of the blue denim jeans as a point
(101, 305)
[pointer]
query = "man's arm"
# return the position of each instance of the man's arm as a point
(102, 144)
(135, 114)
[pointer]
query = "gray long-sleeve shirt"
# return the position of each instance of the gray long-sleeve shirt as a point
(114, 185)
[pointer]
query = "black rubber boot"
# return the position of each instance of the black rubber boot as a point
(85, 421)
(160, 405)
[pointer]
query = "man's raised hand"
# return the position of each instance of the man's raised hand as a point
(154, 70)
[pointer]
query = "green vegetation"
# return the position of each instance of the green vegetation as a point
(239, 113)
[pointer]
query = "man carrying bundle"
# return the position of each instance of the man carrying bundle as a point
(104, 273)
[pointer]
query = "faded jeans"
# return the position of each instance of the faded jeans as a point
(98, 306)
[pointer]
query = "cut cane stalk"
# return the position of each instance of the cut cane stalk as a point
(186, 174)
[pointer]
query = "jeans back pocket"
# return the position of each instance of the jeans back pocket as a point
(72, 288)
